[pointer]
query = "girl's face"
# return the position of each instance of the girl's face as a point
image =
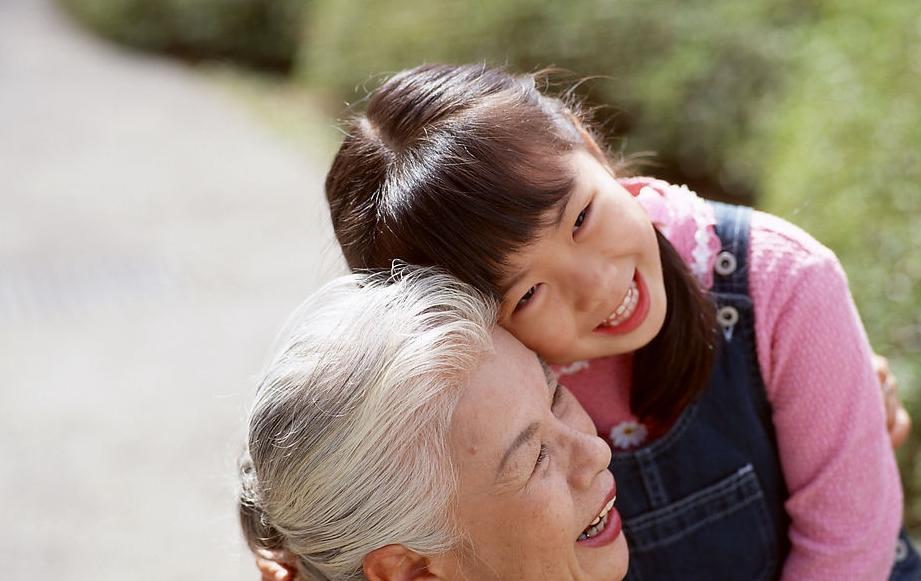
(532, 478)
(592, 285)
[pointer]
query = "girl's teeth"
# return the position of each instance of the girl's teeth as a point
(626, 308)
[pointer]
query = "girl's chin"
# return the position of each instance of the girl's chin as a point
(605, 345)
(596, 344)
(643, 324)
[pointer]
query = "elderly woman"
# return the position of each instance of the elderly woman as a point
(399, 434)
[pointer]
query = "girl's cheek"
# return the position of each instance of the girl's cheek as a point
(529, 330)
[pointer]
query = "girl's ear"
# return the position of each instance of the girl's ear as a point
(398, 563)
(590, 144)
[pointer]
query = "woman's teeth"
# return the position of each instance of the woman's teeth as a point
(598, 524)
(626, 308)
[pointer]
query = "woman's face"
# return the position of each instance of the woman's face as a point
(592, 285)
(532, 477)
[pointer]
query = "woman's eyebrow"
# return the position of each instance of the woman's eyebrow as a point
(549, 375)
(528, 433)
(524, 437)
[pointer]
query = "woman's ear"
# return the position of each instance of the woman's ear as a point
(398, 563)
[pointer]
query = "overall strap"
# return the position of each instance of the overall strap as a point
(731, 268)
(730, 280)
(731, 294)
(706, 500)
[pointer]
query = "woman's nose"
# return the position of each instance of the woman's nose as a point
(590, 455)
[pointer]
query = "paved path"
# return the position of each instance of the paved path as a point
(152, 238)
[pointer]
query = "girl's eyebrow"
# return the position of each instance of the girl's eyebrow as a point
(564, 205)
(511, 281)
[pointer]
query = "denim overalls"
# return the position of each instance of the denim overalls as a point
(705, 501)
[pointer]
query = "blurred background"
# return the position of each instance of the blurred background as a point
(161, 167)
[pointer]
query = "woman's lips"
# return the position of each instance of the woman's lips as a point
(612, 527)
(639, 313)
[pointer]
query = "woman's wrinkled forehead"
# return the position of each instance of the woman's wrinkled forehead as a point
(512, 376)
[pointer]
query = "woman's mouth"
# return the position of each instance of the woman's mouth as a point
(631, 311)
(600, 521)
(604, 529)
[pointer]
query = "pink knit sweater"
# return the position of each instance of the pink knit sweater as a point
(845, 500)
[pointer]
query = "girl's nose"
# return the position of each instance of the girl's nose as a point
(590, 281)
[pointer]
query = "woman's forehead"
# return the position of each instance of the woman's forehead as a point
(501, 397)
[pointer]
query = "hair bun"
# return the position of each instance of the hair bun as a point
(260, 535)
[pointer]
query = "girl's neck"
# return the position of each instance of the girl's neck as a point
(602, 387)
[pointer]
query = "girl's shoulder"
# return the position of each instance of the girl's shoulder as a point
(800, 296)
(780, 250)
(684, 218)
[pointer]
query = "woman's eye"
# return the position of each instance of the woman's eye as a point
(541, 456)
(558, 394)
(580, 219)
(526, 298)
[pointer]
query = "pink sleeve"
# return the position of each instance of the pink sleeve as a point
(845, 499)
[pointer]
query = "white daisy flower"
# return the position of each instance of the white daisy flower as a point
(573, 368)
(628, 434)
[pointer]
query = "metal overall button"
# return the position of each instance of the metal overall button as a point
(726, 263)
(901, 551)
(727, 317)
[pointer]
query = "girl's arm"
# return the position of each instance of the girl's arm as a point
(898, 422)
(845, 498)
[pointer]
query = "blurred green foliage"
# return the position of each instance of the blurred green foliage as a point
(842, 158)
(810, 109)
(262, 33)
(683, 77)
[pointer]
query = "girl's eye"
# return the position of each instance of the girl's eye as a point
(524, 300)
(580, 219)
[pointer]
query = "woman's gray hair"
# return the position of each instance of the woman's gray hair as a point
(347, 445)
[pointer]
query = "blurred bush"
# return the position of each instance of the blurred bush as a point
(684, 76)
(842, 158)
(260, 33)
(810, 109)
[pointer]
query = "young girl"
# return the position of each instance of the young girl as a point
(718, 348)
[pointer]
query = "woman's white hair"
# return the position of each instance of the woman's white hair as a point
(347, 445)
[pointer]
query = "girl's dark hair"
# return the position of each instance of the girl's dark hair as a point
(460, 167)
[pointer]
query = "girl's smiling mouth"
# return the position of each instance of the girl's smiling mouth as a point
(631, 312)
